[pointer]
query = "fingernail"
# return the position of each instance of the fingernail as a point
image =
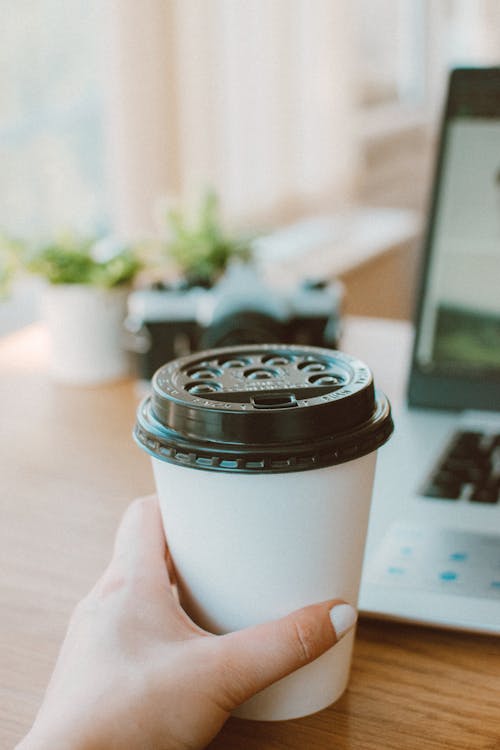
(343, 617)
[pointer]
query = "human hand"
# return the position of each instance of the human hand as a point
(134, 672)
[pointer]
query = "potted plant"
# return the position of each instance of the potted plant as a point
(199, 247)
(83, 303)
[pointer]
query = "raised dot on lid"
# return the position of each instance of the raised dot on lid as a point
(325, 379)
(203, 373)
(228, 362)
(276, 360)
(312, 366)
(200, 387)
(261, 373)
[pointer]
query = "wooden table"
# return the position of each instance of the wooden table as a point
(68, 470)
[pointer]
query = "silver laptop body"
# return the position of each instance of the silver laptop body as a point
(433, 549)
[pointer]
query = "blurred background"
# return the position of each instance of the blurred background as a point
(297, 112)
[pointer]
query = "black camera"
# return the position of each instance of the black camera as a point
(171, 321)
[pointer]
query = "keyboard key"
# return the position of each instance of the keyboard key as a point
(461, 471)
(447, 478)
(484, 495)
(444, 492)
(470, 461)
(470, 439)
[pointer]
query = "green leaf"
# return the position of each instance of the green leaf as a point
(203, 251)
(68, 259)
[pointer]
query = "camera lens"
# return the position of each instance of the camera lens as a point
(242, 327)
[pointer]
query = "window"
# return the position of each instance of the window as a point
(392, 44)
(405, 49)
(51, 147)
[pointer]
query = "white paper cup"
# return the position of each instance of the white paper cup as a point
(254, 544)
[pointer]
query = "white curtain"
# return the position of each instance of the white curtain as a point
(253, 97)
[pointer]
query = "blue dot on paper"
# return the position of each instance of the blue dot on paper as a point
(406, 551)
(393, 570)
(459, 556)
(448, 575)
(495, 584)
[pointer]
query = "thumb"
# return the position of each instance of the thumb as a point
(255, 657)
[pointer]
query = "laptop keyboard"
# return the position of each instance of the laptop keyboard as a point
(469, 469)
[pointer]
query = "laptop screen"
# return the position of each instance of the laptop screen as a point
(459, 327)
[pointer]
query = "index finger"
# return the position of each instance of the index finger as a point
(140, 544)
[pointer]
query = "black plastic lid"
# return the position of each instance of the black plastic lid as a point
(263, 408)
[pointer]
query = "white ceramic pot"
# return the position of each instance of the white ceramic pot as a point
(85, 326)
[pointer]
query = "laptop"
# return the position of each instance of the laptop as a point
(433, 547)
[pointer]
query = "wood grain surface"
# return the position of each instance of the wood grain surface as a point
(68, 470)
